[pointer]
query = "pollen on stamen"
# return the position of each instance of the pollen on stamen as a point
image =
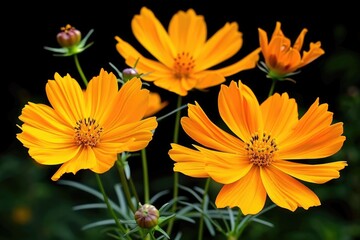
(87, 132)
(261, 150)
(183, 65)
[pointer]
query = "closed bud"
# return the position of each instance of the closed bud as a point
(147, 216)
(68, 37)
(129, 73)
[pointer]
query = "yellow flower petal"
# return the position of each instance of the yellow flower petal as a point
(313, 136)
(183, 27)
(280, 114)
(152, 35)
(136, 135)
(176, 86)
(129, 105)
(155, 104)
(53, 156)
(223, 167)
(36, 137)
(201, 129)
(208, 79)
(287, 192)
(315, 173)
(300, 40)
(44, 118)
(86, 159)
(188, 161)
(248, 194)
(101, 91)
(127, 51)
(277, 31)
(248, 62)
(264, 43)
(314, 52)
(240, 110)
(283, 59)
(214, 51)
(66, 97)
(45, 134)
(106, 158)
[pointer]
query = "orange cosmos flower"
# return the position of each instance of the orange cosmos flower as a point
(87, 129)
(259, 160)
(184, 55)
(282, 59)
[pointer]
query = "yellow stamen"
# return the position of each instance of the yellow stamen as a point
(183, 65)
(67, 28)
(261, 150)
(87, 132)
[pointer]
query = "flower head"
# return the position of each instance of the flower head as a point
(87, 129)
(69, 38)
(269, 150)
(183, 54)
(282, 59)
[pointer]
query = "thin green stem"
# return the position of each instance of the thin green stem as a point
(106, 200)
(176, 174)
(201, 223)
(125, 185)
(82, 75)
(242, 222)
(240, 225)
(272, 88)
(177, 120)
(133, 189)
(145, 176)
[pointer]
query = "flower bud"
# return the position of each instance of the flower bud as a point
(68, 37)
(147, 216)
(129, 73)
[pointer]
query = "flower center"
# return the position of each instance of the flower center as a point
(87, 132)
(183, 65)
(261, 150)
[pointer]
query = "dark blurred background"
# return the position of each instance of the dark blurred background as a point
(33, 207)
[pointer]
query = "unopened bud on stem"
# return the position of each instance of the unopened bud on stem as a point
(69, 36)
(147, 216)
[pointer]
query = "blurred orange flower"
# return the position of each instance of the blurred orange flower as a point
(155, 104)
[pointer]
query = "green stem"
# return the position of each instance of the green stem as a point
(176, 174)
(272, 88)
(106, 200)
(145, 175)
(240, 224)
(177, 121)
(201, 223)
(133, 190)
(82, 75)
(125, 185)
